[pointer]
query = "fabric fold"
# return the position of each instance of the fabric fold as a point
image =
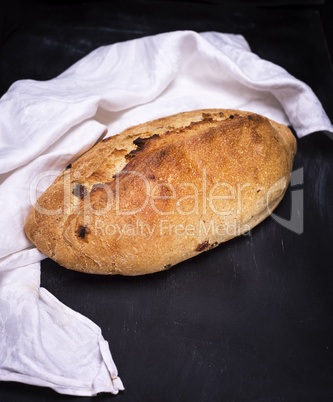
(50, 344)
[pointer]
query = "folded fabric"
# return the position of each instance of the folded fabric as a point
(46, 125)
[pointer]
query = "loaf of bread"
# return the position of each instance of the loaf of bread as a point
(164, 191)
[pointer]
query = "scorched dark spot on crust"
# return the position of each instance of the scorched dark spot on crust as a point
(203, 246)
(82, 231)
(80, 191)
(140, 144)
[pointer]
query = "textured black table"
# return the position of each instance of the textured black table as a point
(248, 321)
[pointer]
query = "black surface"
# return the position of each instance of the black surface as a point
(248, 321)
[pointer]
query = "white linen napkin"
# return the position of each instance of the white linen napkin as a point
(46, 125)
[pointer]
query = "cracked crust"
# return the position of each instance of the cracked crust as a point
(164, 191)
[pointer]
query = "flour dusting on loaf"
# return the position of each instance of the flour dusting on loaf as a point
(163, 191)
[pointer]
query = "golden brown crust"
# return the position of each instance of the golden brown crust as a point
(164, 191)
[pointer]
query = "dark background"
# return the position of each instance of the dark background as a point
(252, 319)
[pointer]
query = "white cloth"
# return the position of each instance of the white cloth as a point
(46, 125)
